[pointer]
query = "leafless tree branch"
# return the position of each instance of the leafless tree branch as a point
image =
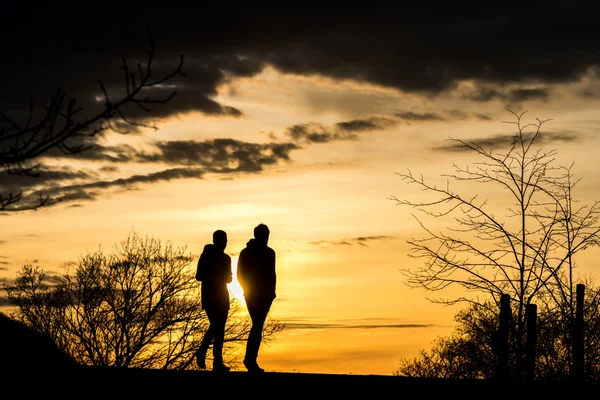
(62, 121)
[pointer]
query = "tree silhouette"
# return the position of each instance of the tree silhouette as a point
(136, 307)
(66, 127)
(521, 242)
(467, 353)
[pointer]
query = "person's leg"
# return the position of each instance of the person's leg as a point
(258, 311)
(209, 336)
(219, 321)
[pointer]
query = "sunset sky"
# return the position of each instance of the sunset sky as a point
(298, 118)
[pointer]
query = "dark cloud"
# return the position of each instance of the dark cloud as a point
(509, 56)
(313, 132)
(188, 159)
(217, 155)
(512, 96)
(506, 140)
(92, 190)
(361, 241)
(443, 115)
(45, 177)
(192, 159)
(419, 49)
(518, 95)
(220, 155)
(412, 116)
(96, 58)
(317, 133)
(368, 124)
(413, 48)
(10, 183)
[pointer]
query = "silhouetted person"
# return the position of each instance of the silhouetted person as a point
(256, 275)
(214, 271)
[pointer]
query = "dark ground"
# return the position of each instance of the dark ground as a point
(96, 383)
(32, 367)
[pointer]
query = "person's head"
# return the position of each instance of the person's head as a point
(261, 233)
(220, 239)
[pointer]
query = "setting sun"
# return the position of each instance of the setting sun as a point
(234, 287)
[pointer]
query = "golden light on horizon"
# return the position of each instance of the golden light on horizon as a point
(234, 287)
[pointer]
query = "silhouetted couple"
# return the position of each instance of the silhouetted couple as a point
(257, 277)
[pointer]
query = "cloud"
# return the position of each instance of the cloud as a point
(368, 124)
(195, 92)
(431, 50)
(361, 241)
(413, 49)
(91, 191)
(441, 115)
(505, 141)
(313, 132)
(511, 96)
(412, 116)
(294, 325)
(353, 323)
(215, 155)
(50, 278)
(220, 155)
(316, 133)
(189, 160)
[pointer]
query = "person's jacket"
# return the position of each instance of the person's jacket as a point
(214, 271)
(256, 271)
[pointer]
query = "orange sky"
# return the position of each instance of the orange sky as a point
(339, 239)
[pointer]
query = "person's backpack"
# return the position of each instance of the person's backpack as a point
(203, 262)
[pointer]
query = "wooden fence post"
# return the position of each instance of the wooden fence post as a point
(501, 339)
(578, 331)
(531, 316)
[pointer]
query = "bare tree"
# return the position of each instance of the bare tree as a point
(468, 353)
(137, 307)
(522, 242)
(64, 126)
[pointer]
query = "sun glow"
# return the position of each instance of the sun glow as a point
(234, 287)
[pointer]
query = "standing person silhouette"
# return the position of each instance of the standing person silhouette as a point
(256, 275)
(214, 271)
